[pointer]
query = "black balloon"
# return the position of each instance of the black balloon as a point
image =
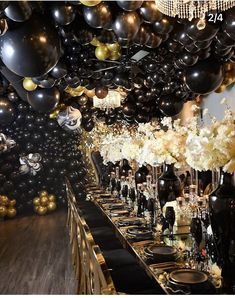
(153, 41)
(143, 34)
(204, 77)
(63, 14)
(196, 34)
(170, 106)
(150, 13)
(89, 125)
(18, 11)
(101, 92)
(31, 49)
(7, 112)
(229, 24)
(129, 5)
(127, 25)
(129, 108)
(44, 100)
(164, 26)
(98, 16)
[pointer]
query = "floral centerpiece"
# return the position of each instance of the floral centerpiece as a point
(213, 146)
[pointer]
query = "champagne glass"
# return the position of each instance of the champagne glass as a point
(170, 218)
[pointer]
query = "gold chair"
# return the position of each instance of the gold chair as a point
(91, 271)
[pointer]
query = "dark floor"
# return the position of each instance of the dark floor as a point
(35, 256)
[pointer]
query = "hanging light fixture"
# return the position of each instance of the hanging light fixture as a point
(111, 101)
(189, 9)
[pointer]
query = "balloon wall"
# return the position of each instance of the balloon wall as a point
(58, 56)
(35, 155)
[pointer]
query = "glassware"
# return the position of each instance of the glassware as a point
(170, 218)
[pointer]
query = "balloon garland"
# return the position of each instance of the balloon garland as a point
(137, 48)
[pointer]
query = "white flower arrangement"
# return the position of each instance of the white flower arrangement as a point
(213, 146)
(203, 147)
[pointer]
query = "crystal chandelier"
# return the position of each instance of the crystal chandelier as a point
(189, 9)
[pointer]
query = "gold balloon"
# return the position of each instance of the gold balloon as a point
(102, 52)
(113, 47)
(95, 42)
(90, 93)
(4, 200)
(51, 198)
(115, 56)
(36, 208)
(221, 88)
(42, 210)
(29, 85)
(90, 2)
(51, 206)
(3, 211)
(12, 203)
(44, 201)
(36, 201)
(11, 212)
(43, 193)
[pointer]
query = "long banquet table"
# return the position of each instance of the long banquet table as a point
(156, 269)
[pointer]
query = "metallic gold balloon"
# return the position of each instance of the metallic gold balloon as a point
(90, 93)
(95, 42)
(11, 212)
(3, 211)
(36, 208)
(36, 201)
(12, 203)
(102, 52)
(113, 47)
(29, 85)
(54, 114)
(44, 201)
(51, 198)
(51, 206)
(221, 88)
(90, 2)
(43, 193)
(115, 56)
(42, 210)
(4, 200)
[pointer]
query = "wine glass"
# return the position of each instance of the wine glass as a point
(170, 218)
(118, 187)
(125, 192)
(196, 231)
(113, 184)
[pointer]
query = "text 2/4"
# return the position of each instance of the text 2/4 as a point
(215, 17)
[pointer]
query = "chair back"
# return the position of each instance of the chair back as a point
(90, 267)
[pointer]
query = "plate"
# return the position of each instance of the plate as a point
(107, 201)
(114, 206)
(161, 250)
(105, 195)
(129, 222)
(119, 212)
(136, 231)
(188, 276)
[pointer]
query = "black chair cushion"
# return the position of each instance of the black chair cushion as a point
(117, 258)
(105, 238)
(133, 279)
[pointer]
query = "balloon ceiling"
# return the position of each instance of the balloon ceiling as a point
(59, 54)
